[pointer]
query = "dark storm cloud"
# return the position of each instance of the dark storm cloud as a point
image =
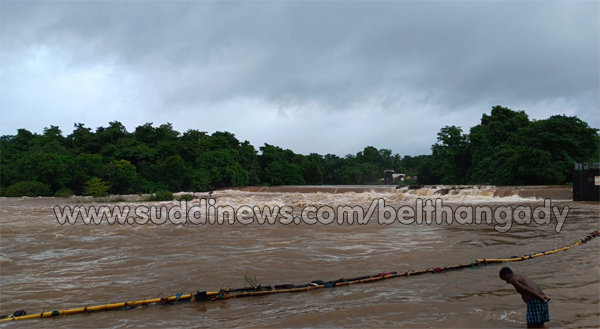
(453, 60)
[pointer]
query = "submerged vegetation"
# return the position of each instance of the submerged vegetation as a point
(506, 148)
(161, 196)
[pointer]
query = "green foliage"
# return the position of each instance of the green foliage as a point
(96, 188)
(64, 192)
(311, 169)
(200, 180)
(223, 168)
(283, 173)
(175, 172)
(505, 148)
(122, 176)
(161, 196)
(44, 165)
(27, 188)
(450, 156)
(186, 197)
(87, 166)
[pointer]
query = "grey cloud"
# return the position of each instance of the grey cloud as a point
(398, 57)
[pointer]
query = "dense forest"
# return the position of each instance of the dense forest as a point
(506, 148)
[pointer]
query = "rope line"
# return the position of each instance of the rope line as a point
(201, 296)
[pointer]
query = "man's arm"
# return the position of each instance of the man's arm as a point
(523, 288)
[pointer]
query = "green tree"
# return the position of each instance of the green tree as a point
(52, 169)
(27, 188)
(83, 140)
(311, 169)
(96, 187)
(450, 157)
(485, 139)
(122, 176)
(85, 168)
(175, 173)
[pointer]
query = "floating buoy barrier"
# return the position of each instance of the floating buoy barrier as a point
(259, 290)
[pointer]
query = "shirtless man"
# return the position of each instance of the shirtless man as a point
(537, 302)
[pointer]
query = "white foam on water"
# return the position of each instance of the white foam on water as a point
(4, 259)
(283, 242)
(476, 311)
(506, 316)
(476, 195)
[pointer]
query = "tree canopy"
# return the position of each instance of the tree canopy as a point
(506, 148)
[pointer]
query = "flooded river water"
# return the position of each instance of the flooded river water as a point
(48, 266)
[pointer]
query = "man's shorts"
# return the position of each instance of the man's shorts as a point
(537, 311)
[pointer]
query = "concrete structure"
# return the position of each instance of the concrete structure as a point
(399, 177)
(586, 182)
(389, 177)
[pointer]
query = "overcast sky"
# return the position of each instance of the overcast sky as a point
(323, 77)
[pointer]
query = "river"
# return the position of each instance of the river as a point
(47, 266)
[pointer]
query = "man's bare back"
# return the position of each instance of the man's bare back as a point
(527, 288)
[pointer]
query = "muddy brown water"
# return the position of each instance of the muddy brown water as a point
(48, 266)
